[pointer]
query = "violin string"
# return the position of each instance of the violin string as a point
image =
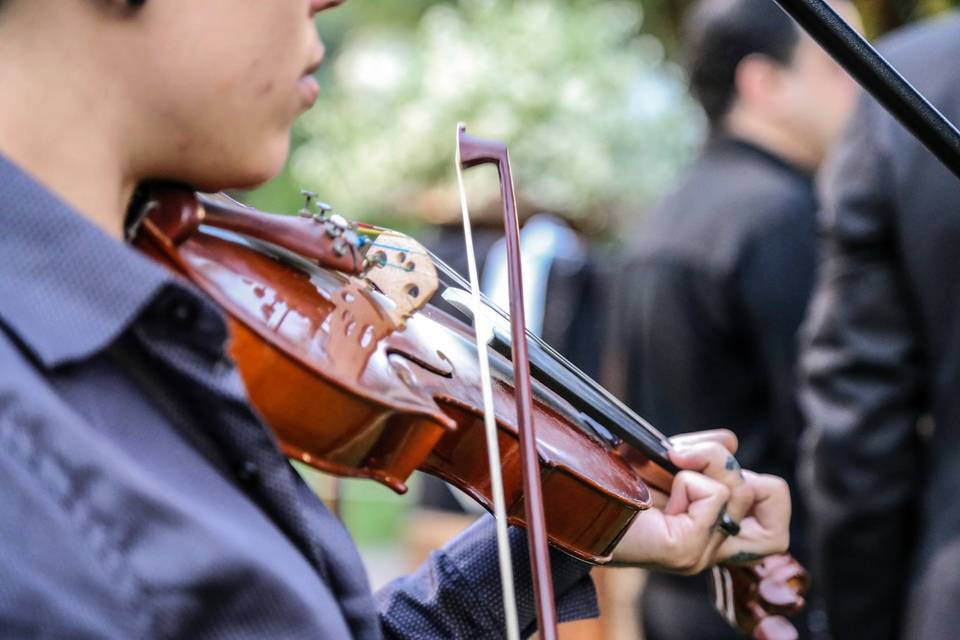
(489, 421)
(384, 245)
(552, 353)
(555, 355)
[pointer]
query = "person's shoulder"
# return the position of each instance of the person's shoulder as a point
(915, 40)
(747, 190)
(924, 53)
(712, 186)
(722, 202)
(917, 47)
(878, 158)
(779, 197)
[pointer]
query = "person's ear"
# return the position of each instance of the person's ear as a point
(757, 80)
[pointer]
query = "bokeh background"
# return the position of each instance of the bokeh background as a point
(590, 97)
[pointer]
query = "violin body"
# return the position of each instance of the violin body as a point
(349, 390)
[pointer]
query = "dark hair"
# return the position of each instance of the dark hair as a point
(721, 33)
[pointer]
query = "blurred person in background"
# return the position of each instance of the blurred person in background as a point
(717, 282)
(881, 366)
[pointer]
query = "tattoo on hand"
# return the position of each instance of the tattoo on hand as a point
(744, 557)
(733, 465)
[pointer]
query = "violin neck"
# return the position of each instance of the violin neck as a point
(603, 415)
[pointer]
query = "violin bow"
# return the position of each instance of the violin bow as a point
(483, 332)
(472, 152)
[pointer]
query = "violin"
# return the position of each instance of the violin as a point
(359, 375)
(348, 392)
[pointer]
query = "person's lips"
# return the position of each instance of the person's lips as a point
(309, 87)
(309, 90)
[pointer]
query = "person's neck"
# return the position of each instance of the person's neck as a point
(64, 129)
(774, 139)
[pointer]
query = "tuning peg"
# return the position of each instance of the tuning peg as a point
(309, 196)
(322, 210)
(352, 237)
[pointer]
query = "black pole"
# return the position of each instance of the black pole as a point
(875, 74)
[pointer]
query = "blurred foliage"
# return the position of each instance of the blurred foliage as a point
(597, 121)
(583, 91)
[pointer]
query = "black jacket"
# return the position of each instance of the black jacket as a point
(712, 298)
(882, 366)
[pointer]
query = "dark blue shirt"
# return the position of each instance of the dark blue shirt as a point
(142, 497)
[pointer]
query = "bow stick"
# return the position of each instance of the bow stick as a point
(483, 332)
(470, 153)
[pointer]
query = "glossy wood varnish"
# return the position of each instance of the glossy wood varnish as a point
(348, 391)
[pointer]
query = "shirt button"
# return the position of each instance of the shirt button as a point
(248, 473)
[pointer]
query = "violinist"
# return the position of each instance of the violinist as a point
(142, 496)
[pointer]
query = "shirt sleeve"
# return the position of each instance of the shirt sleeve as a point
(861, 394)
(456, 593)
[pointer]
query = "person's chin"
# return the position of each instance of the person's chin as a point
(239, 178)
(259, 166)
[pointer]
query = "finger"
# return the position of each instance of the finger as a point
(658, 498)
(766, 529)
(752, 544)
(698, 496)
(734, 510)
(772, 507)
(743, 498)
(699, 501)
(711, 459)
(759, 540)
(772, 503)
(724, 437)
(707, 518)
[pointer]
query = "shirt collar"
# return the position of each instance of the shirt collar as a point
(67, 289)
(721, 141)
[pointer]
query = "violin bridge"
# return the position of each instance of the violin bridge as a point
(401, 268)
